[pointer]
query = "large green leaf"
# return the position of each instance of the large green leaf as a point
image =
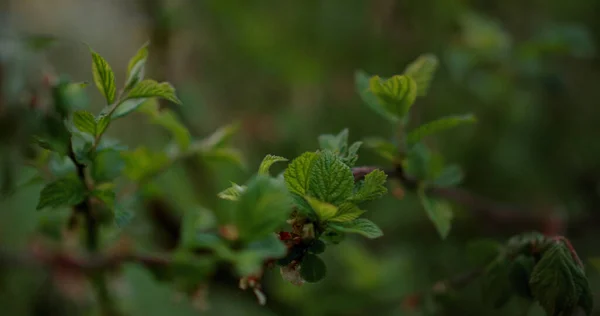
(150, 89)
(361, 226)
(104, 78)
(62, 192)
(396, 94)
(330, 179)
(371, 188)
(297, 173)
(422, 71)
(437, 126)
(438, 211)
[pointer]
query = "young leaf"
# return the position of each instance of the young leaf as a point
(143, 163)
(559, 284)
(324, 210)
(335, 143)
(62, 192)
(371, 188)
(150, 88)
(105, 193)
(167, 119)
(267, 162)
(221, 137)
(103, 77)
(347, 212)
(102, 122)
(297, 173)
(330, 180)
(450, 176)
(437, 126)
(422, 70)
(361, 79)
(85, 122)
(312, 268)
(361, 226)
(233, 192)
(439, 212)
(128, 106)
(383, 148)
(263, 207)
(136, 67)
(396, 94)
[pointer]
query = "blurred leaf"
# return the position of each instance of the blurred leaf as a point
(595, 263)
(422, 71)
(450, 176)
(267, 162)
(262, 208)
(150, 88)
(301, 205)
(520, 272)
(102, 122)
(312, 268)
(252, 259)
(195, 220)
(136, 66)
(496, 283)
(418, 161)
(362, 86)
(103, 77)
(168, 119)
(439, 212)
(105, 192)
(107, 165)
(229, 155)
(317, 247)
(85, 122)
(62, 192)
(346, 212)
(559, 284)
(333, 236)
(69, 96)
(330, 180)
(334, 143)
(383, 148)
(324, 210)
(40, 42)
(128, 106)
(481, 252)
(297, 173)
(233, 192)
(437, 126)
(142, 163)
(371, 188)
(221, 137)
(360, 226)
(396, 94)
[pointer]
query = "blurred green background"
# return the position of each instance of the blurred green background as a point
(284, 70)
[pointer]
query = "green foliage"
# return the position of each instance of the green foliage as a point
(297, 173)
(104, 78)
(330, 180)
(324, 210)
(439, 212)
(313, 268)
(233, 192)
(136, 67)
(267, 162)
(346, 212)
(360, 226)
(396, 94)
(149, 88)
(422, 71)
(371, 188)
(437, 126)
(62, 192)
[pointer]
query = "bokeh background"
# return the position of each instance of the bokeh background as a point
(284, 71)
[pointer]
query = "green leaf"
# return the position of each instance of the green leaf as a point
(371, 188)
(559, 284)
(150, 88)
(107, 165)
(450, 176)
(438, 211)
(330, 180)
(85, 122)
(229, 155)
(317, 247)
(136, 66)
(347, 212)
(437, 126)
(361, 226)
(167, 119)
(422, 70)
(143, 163)
(483, 251)
(221, 137)
(520, 271)
(232, 193)
(105, 193)
(324, 210)
(300, 204)
(263, 207)
(128, 106)
(335, 143)
(103, 77)
(361, 79)
(267, 162)
(252, 259)
(297, 173)
(396, 94)
(418, 161)
(497, 288)
(62, 192)
(102, 122)
(312, 268)
(383, 148)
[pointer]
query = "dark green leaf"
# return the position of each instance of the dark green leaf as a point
(62, 192)
(497, 288)
(437, 126)
(312, 268)
(317, 247)
(483, 251)
(520, 271)
(105, 193)
(450, 176)
(103, 77)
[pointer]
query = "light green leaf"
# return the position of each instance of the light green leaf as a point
(143, 163)
(85, 122)
(396, 94)
(312, 268)
(127, 107)
(347, 212)
(221, 137)
(136, 66)
(102, 122)
(360, 226)
(439, 212)
(361, 79)
(422, 70)
(232, 193)
(262, 208)
(324, 210)
(103, 77)
(105, 192)
(385, 149)
(62, 192)
(167, 119)
(371, 188)
(150, 88)
(450, 176)
(297, 173)
(437, 126)
(267, 162)
(335, 143)
(330, 180)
